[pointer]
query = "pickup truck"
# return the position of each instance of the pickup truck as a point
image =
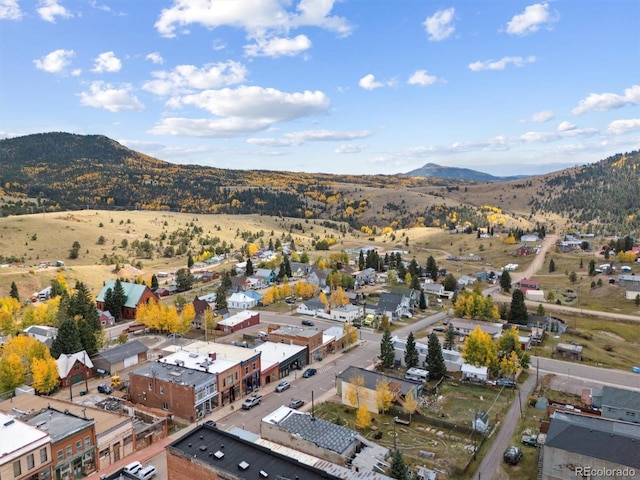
(251, 402)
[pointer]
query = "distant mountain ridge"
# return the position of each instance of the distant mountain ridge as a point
(435, 170)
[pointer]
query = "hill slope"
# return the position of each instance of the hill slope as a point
(66, 171)
(434, 170)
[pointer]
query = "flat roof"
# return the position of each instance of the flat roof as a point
(59, 424)
(222, 350)
(239, 317)
(16, 435)
(291, 331)
(226, 452)
(25, 404)
(274, 352)
(168, 371)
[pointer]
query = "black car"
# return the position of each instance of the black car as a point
(309, 372)
(308, 323)
(106, 389)
(506, 382)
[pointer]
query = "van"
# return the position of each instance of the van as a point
(368, 321)
(417, 375)
(147, 472)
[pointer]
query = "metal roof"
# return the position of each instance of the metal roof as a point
(126, 350)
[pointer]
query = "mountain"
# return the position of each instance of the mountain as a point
(63, 171)
(435, 170)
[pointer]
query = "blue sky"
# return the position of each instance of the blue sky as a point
(354, 86)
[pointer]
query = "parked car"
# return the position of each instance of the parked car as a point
(210, 423)
(251, 402)
(531, 440)
(506, 382)
(512, 455)
(309, 372)
(147, 473)
(282, 386)
(308, 323)
(106, 389)
(133, 468)
(296, 403)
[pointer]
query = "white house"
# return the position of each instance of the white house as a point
(346, 313)
(241, 301)
(534, 295)
(473, 373)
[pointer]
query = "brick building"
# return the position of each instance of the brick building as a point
(306, 337)
(25, 451)
(74, 368)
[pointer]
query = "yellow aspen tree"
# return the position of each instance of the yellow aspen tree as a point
(323, 299)
(479, 349)
(384, 395)
(13, 372)
(44, 372)
(363, 416)
(410, 405)
(187, 315)
(355, 390)
(351, 333)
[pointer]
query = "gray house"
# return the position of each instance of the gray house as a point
(620, 404)
(123, 356)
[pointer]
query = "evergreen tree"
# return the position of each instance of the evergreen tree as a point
(189, 261)
(435, 360)
(87, 337)
(411, 358)
(387, 353)
(226, 280)
(423, 300)
(75, 250)
(518, 311)
(184, 280)
(154, 282)
(68, 340)
(592, 268)
(221, 297)
(505, 281)
(14, 291)
(249, 269)
(414, 268)
(361, 260)
(450, 282)
(285, 268)
(449, 337)
(552, 266)
(432, 268)
(81, 305)
(399, 469)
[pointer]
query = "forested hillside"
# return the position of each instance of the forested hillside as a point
(61, 171)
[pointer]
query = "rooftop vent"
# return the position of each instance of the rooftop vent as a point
(202, 448)
(219, 455)
(243, 465)
(10, 422)
(263, 474)
(193, 355)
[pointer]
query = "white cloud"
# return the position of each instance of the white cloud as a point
(620, 127)
(10, 10)
(500, 64)
(188, 78)
(104, 95)
(607, 101)
(346, 148)
(278, 47)
(242, 111)
(270, 142)
(326, 136)
(50, 9)
(542, 116)
(254, 16)
(530, 21)
(106, 62)
(369, 82)
(155, 57)
(439, 25)
(55, 62)
(566, 126)
(421, 77)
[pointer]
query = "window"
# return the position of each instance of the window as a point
(31, 462)
(60, 455)
(87, 442)
(78, 446)
(17, 468)
(69, 451)
(149, 386)
(246, 370)
(43, 455)
(127, 440)
(236, 375)
(255, 365)
(230, 379)
(161, 390)
(165, 406)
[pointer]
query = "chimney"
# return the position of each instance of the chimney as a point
(212, 356)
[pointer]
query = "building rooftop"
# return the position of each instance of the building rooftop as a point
(597, 437)
(620, 398)
(222, 350)
(16, 435)
(132, 291)
(28, 404)
(277, 352)
(238, 317)
(126, 350)
(326, 435)
(66, 362)
(371, 379)
(291, 331)
(58, 424)
(168, 371)
(242, 458)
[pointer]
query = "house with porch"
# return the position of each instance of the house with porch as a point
(394, 306)
(241, 301)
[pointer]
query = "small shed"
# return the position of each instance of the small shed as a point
(567, 350)
(123, 356)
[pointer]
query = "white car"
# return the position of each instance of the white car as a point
(282, 386)
(133, 468)
(147, 473)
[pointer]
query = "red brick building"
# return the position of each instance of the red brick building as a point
(74, 368)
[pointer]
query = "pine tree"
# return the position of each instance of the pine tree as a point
(189, 261)
(81, 305)
(221, 298)
(249, 268)
(399, 469)
(411, 358)
(387, 353)
(449, 337)
(435, 360)
(432, 268)
(552, 266)
(87, 337)
(68, 340)
(505, 281)
(423, 300)
(14, 291)
(518, 311)
(154, 282)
